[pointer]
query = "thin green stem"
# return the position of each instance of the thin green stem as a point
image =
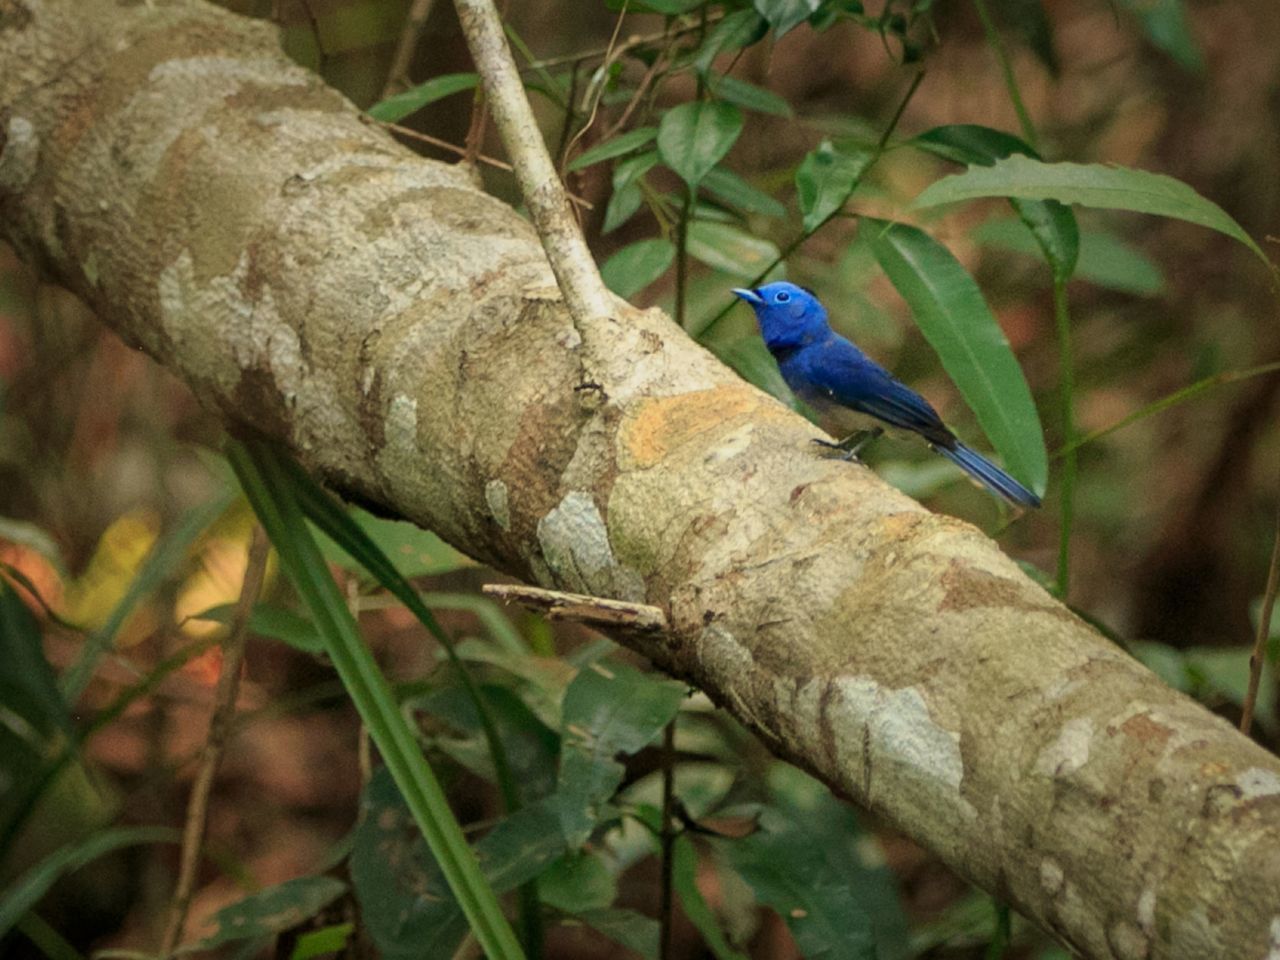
(996, 43)
(804, 235)
(1172, 400)
(682, 255)
(1066, 389)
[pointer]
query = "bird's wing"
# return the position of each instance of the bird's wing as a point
(847, 376)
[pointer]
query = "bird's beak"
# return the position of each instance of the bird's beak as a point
(750, 296)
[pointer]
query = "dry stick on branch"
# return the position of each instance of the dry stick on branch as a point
(220, 725)
(1259, 655)
(592, 611)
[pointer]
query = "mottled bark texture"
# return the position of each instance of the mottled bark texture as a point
(223, 210)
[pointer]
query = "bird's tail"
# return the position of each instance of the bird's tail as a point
(989, 475)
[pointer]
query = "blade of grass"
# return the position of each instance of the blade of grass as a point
(328, 514)
(27, 890)
(270, 486)
(322, 509)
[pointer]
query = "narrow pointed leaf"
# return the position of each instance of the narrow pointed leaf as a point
(400, 105)
(783, 15)
(954, 317)
(1090, 185)
(265, 477)
(750, 97)
(1051, 223)
(732, 189)
(617, 147)
(728, 248)
(25, 891)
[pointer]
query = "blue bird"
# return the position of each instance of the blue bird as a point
(834, 377)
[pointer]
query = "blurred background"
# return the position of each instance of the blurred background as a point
(104, 457)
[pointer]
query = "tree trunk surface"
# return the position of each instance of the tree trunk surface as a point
(402, 332)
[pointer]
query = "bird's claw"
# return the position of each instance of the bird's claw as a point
(849, 455)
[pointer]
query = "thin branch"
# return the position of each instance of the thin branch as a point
(668, 840)
(1259, 655)
(631, 43)
(220, 726)
(398, 73)
(544, 194)
(580, 607)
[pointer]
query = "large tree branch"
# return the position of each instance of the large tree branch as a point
(403, 333)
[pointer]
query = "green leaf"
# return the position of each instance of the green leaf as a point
(825, 179)
(26, 891)
(400, 105)
(415, 552)
(1165, 23)
(317, 943)
(751, 359)
(684, 881)
(1106, 260)
(622, 206)
(750, 97)
(694, 137)
(271, 911)
(609, 709)
(637, 265)
(742, 28)
(728, 248)
(628, 929)
(617, 147)
(1090, 185)
(783, 15)
(733, 190)
(806, 862)
(955, 319)
(405, 903)
(531, 747)
(578, 881)
(627, 196)
(268, 620)
(1051, 223)
(272, 486)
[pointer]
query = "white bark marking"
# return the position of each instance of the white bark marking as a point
(495, 495)
(1256, 782)
(575, 545)
(21, 154)
(1069, 752)
(891, 736)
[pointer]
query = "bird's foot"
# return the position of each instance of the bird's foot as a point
(844, 453)
(853, 444)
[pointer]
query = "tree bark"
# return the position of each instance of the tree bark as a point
(402, 332)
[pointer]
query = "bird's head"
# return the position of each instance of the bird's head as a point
(789, 316)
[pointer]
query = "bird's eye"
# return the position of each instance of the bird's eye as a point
(783, 297)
